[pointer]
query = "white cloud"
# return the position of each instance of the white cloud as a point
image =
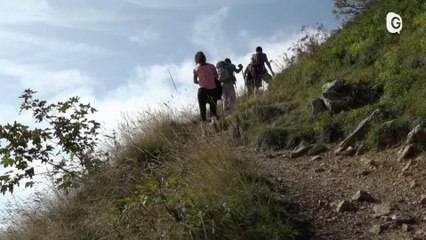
(149, 87)
(144, 36)
(276, 44)
(191, 4)
(163, 4)
(208, 32)
(22, 11)
(244, 33)
(49, 46)
(50, 82)
(9, 113)
(75, 14)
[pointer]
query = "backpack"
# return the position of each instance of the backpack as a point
(223, 72)
(256, 60)
(257, 64)
(218, 91)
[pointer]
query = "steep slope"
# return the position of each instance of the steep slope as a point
(363, 54)
(162, 179)
(375, 69)
(180, 180)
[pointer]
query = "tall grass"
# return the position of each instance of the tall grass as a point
(165, 178)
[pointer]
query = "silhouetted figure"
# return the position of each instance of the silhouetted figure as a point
(258, 69)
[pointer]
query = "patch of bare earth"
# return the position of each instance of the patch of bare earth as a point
(324, 189)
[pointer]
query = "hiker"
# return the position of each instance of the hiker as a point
(205, 76)
(252, 84)
(228, 94)
(258, 69)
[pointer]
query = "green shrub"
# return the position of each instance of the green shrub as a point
(387, 134)
(266, 113)
(272, 138)
(301, 133)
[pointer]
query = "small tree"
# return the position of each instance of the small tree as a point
(345, 10)
(66, 143)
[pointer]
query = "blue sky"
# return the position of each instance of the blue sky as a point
(117, 54)
(112, 52)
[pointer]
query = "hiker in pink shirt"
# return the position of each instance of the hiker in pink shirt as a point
(205, 75)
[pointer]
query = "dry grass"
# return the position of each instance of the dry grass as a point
(164, 177)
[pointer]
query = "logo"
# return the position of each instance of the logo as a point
(393, 22)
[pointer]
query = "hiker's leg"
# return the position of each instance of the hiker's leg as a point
(224, 96)
(227, 95)
(249, 89)
(248, 84)
(257, 85)
(213, 108)
(202, 101)
(233, 96)
(253, 86)
(212, 103)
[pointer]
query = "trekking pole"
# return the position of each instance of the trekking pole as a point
(173, 81)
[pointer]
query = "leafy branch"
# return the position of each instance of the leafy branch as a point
(67, 143)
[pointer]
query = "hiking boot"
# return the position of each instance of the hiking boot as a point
(214, 121)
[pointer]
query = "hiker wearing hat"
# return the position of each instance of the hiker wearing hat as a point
(205, 75)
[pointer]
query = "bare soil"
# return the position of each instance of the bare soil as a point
(316, 184)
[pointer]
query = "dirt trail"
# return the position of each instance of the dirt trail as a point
(316, 184)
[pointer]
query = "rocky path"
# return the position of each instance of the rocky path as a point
(372, 196)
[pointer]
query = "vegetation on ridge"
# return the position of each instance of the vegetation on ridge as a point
(66, 142)
(161, 181)
(363, 52)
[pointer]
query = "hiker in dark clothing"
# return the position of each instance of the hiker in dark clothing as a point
(229, 95)
(258, 69)
(252, 84)
(205, 75)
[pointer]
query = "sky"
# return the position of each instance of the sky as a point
(125, 56)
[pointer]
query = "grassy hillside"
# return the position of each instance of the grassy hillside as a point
(164, 179)
(362, 53)
(168, 179)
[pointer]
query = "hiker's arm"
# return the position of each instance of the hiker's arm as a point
(246, 71)
(240, 68)
(269, 66)
(195, 78)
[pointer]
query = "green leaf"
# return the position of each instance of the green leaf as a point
(171, 181)
(29, 172)
(7, 161)
(64, 108)
(29, 184)
(5, 178)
